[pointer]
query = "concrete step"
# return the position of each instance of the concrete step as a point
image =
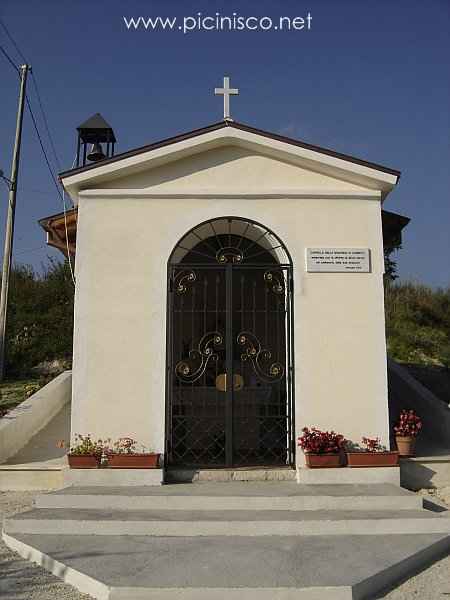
(226, 523)
(31, 476)
(173, 475)
(235, 496)
(244, 568)
(301, 475)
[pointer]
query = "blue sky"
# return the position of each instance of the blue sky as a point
(371, 78)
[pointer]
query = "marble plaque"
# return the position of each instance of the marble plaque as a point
(338, 260)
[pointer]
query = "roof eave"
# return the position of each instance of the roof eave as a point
(236, 125)
(377, 176)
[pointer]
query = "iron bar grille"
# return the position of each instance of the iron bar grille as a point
(229, 382)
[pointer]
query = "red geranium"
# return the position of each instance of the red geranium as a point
(372, 444)
(409, 424)
(320, 442)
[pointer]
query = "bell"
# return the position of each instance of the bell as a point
(96, 153)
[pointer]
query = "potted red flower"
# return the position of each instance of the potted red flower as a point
(123, 455)
(321, 448)
(370, 454)
(85, 453)
(406, 431)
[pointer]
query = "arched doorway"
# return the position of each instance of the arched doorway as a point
(229, 368)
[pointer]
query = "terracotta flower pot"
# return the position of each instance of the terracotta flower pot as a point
(317, 461)
(406, 445)
(83, 461)
(372, 459)
(133, 461)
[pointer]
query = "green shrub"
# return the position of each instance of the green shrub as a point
(40, 317)
(418, 323)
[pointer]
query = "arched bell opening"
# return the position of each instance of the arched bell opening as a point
(229, 359)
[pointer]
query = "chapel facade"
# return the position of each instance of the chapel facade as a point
(229, 292)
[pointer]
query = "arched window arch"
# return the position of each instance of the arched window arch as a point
(230, 239)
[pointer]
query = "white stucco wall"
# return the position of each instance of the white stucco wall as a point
(229, 168)
(120, 310)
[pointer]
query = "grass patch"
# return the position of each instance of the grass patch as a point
(13, 392)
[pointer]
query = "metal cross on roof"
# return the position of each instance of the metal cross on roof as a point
(226, 91)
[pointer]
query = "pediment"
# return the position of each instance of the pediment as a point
(231, 159)
(230, 169)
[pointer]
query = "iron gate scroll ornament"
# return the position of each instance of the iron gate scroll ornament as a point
(186, 370)
(258, 355)
(275, 282)
(229, 254)
(182, 279)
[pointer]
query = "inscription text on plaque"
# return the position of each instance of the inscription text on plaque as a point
(338, 260)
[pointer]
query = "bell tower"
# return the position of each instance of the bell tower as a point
(95, 132)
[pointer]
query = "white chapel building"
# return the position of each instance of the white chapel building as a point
(229, 292)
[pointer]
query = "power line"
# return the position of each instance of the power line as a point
(33, 191)
(10, 60)
(44, 118)
(61, 195)
(32, 115)
(43, 148)
(31, 110)
(13, 42)
(33, 77)
(24, 251)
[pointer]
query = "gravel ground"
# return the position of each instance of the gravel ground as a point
(20, 580)
(433, 583)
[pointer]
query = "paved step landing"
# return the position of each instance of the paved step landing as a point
(235, 496)
(230, 541)
(222, 568)
(226, 523)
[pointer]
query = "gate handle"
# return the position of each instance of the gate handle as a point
(221, 382)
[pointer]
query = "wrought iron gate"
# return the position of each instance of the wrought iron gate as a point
(229, 354)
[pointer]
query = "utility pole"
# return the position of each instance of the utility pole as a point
(9, 234)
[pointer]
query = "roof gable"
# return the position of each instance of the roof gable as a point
(230, 169)
(306, 156)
